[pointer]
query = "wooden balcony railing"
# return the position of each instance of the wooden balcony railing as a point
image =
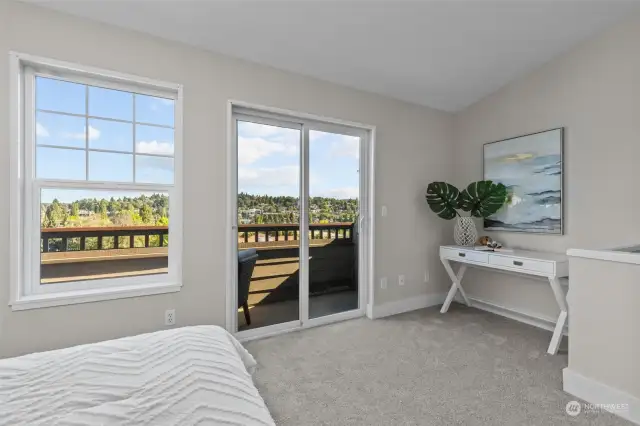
(58, 239)
(64, 235)
(289, 232)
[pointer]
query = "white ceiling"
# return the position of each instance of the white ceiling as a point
(445, 54)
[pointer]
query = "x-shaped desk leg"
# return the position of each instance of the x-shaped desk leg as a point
(562, 318)
(455, 284)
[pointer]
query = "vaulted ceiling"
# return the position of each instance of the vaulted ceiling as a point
(442, 54)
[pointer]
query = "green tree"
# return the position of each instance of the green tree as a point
(75, 209)
(146, 213)
(56, 215)
(103, 209)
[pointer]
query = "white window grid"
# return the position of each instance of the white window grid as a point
(87, 117)
(33, 186)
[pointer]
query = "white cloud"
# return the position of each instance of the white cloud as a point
(268, 177)
(340, 193)
(41, 131)
(154, 147)
(255, 130)
(251, 150)
(93, 134)
(347, 146)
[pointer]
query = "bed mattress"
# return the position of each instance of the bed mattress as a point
(185, 376)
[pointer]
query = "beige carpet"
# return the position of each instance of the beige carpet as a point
(467, 367)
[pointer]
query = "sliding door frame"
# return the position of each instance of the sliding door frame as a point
(304, 122)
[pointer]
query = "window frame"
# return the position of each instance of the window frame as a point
(26, 290)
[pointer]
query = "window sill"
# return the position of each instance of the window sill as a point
(86, 296)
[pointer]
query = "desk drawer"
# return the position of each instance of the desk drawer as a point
(462, 255)
(528, 265)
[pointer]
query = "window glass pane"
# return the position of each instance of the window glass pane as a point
(109, 167)
(58, 95)
(60, 130)
(59, 163)
(110, 103)
(82, 232)
(110, 135)
(154, 110)
(154, 169)
(154, 140)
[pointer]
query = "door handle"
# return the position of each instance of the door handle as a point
(517, 263)
(462, 254)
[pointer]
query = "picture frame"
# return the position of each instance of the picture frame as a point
(531, 166)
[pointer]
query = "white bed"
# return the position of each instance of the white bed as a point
(185, 376)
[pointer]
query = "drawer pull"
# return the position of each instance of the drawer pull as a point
(462, 254)
(517, 263)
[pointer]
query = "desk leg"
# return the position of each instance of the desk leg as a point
(455, 286)
(562, 318)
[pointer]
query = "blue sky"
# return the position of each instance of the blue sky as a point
(55, 130)
(269, 157)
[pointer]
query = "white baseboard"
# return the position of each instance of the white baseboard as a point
(594, 392)
(533, 319)
(405, 305)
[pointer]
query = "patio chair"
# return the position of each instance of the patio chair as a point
(246, 263)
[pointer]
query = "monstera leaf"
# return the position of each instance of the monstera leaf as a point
(442, 197)
(483, 198)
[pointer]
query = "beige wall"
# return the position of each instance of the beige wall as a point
(594, 92)
(605, 313)
(413, 148)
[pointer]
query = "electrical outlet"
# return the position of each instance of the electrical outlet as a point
(383, 283)
(170, 317)
(400, 279)
(426, 276)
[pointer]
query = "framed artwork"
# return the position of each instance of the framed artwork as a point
(531, 167)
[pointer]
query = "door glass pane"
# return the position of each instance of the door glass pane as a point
(268, 225)
(96, 234)
(334, 190)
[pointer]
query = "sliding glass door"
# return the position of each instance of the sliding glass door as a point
(268, 215)
(297, 231)
(334, 194)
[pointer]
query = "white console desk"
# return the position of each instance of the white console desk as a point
(548, 265)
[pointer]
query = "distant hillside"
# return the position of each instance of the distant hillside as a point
(283, 209)
(125, 211)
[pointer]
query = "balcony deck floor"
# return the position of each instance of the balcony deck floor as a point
(319, 306)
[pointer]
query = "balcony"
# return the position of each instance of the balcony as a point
(274, 287)
(72, 254)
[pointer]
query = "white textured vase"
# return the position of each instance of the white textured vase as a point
(464, 232)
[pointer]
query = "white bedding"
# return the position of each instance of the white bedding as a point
(185, 376)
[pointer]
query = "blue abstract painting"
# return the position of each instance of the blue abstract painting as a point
(531, 168)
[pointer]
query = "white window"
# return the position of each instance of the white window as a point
(96, 198)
